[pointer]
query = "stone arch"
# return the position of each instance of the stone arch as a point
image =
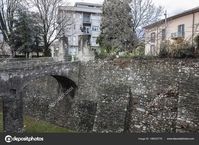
(15, 125)
(70, 85)
(64, 81)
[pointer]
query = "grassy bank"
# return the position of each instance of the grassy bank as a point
(32, 125)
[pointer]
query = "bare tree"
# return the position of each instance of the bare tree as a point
(52, 21)
(7, 14)
(2, 50)
(144, 12)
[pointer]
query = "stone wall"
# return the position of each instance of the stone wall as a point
(129, 96)
(14, 77)
(142, 95)
(44, 99)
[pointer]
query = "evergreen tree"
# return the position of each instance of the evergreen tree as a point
(116, 28)
(26, 36)
(24, 32)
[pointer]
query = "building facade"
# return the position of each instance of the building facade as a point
(5, 50)
(80, 35)
(181, 26)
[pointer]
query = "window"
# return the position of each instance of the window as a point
(153, 37)
(152, 49)
(163, 34)
(94, 40)
(68, 28)
(181, 31)
(72, 50)
(80, 16)
(95, 28)
(86, 17)
(74, 39)
(95, 17)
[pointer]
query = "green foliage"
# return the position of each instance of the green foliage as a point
(164, 49)
(116, 27)
(196, 39)
(106, 52)
(22, 36)
(37, 126)
(26, 37)
(1, 122)
(138, 52)
(177, 49)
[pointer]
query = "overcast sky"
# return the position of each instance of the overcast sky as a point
(176, 6)
(172, 6)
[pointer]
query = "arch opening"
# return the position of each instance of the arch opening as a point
(48, 99)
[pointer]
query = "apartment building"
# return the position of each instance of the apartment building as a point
(80, 35)
(184, 25)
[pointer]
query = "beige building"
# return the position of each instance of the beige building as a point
(80, 36)
(181, 26)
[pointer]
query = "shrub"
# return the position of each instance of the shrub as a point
(177, 49)
(182, 51)
(164, 49)
(106, 52)
(196, 39)
(139, 51)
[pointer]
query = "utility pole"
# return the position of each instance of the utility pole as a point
(193, 29)
(165, 14)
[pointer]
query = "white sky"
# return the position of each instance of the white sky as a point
(177, 6)
(172, 6)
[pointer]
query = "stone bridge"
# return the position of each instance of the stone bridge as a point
(136, 96)
(15, 75)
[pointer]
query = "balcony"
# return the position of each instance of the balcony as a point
(85, 30)
(177, 35)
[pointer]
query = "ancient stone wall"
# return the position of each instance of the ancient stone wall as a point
(136, 96)
(142, 95)
(38, 98)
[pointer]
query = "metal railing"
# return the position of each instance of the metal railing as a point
(177, 35)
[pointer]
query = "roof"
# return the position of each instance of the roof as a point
(81, 9)
(188, 12)
(87, 4)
